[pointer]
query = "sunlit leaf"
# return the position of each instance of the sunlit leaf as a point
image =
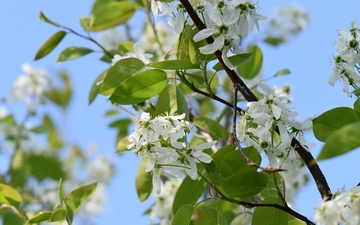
(87, 22)
(139, 87)
(183, 215)
(188, 193)
(236, 60)
(172, 100)
(275, 41)
(9, 195)
(251, 68)
(112, 14)
(95, 87)
(282, 72)
(180, 64)
(119, 72)
(143, 182)
(330, 121)
(59, 214)
(122, 145)
(41, 216)
(73, 53)
(341, 141)
(50, 44)
(45, 19)
(244, 184)
(79, 196)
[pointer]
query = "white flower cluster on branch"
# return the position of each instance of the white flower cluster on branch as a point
(264, 119)
(347, 62)
(343, 209)
(162, 141)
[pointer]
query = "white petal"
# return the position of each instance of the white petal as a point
(156, 181)
(276, 111)
(201, 156)
(205, 145)
(204, 33)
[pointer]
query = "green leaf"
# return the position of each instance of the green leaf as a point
(210, 216)
(341, 141)
(44, 166)
(183, 215)
(251, 68)
(119, 72)
(330, 121)
(50, 44)
(181, 64)
(112, 14)
(282, 72)
(244, 184)
(122, 145)
(212, 127)
(73, 53)
(143, 182)
(269, 215)
(125, 47)
(234, 163)
(45, 19)
(221, 153)
(357, 105)
(296, 222)
(10, 218)
(98, 4)
(79, 196)
(41, 216)
(59, 214)
(9, 195)
(172, 100)
(275, 41)
(139, 87)
(188, 193)
(236, 60)
(95, 87)
(193, 51)
(87, 22)
(61, 193)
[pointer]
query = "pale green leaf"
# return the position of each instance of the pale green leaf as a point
(58, 214)
(95, 87)
(45, 19)
(143, 182)
(50, 44)
(269, 215)
(9, 195)
(210, 216)
(73, 53)
(41, 216)
(139, 87)
(341, 141)
(180, 64)
(235, 60)
(112, 14)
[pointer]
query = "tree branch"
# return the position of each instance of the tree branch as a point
(309, 160)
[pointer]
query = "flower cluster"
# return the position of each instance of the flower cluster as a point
(347, 62)
(227, 21)
(31, 86)
(264, 119)
(139, 53)
(162, 142)
(162, 208)
(344, 208)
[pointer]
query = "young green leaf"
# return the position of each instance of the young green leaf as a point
(50, 44)
(330, 121)
(119, 72)
(188, 193)
(41, 216)
(112, 14)
(275, 41)
(341, 141)
(45, 19)
(183, 215)
(121, 146)
(73, 53)
(95, 87)
(210, 216)
(9, 195)
(236, 60)
(269, 215)
(244, 184)
(172, 100)
(181, 64)
(251, 68)
(87, 22)
(139, 87)
(282, 72)
(212, 127)
(143, 182)
(58, 214)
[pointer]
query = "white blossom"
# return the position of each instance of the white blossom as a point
(138, 53)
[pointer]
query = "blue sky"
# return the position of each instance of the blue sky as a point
(308, 56)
